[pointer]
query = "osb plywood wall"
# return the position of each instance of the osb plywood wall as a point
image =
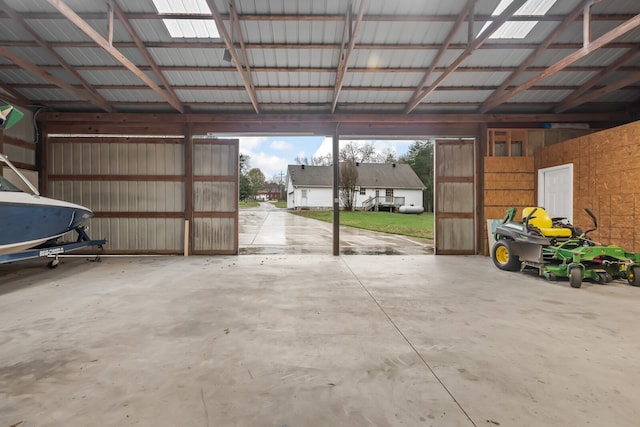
(508, 181)
(606, 180)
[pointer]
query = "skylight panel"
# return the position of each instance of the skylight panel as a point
(519, 29)
(188, 28)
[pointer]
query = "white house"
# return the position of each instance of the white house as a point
(379, 186)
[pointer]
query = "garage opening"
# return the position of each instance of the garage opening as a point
(385, 195)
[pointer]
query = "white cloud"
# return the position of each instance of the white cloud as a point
(249, 143)
(325, 147)
(281, 145)
(270, 165)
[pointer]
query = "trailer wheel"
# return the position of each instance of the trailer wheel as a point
(633, 276)
(503, 257)
(575, 277)
(53, 263)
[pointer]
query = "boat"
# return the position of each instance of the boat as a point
(27, 219)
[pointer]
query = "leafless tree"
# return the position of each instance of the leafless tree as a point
(348, 181)
(363, 153)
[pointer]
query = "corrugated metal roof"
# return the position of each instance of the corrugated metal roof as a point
(295, 46)
(370, 175)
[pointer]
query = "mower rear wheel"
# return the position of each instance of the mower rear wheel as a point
(601, 278)
(575, 277)
(633, 276)
(503, 256)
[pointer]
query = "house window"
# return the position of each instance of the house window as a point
(303, 194)
(363, 191)
(388, 192)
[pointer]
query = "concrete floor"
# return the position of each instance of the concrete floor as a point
(312, 340)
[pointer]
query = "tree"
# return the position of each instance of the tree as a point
(256, 181)
(361, 153)
(348, 181)
(420, 157)
(301, 160)
(244, 183)
(387, 155)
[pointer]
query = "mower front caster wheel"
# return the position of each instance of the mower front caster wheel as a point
(503, 256)
(575, 277)
(633, 276)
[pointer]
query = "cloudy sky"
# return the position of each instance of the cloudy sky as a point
(272, 154)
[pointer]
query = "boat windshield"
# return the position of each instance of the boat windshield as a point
(6, 185)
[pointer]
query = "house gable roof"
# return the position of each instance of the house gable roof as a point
(370, 175)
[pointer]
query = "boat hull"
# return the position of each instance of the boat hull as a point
(27, 221)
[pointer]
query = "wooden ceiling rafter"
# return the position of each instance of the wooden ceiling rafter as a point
(351, 29)
(240, 66)
(330, 119)
(327, 88)
(570, 18)
(97, 98)
(235, 23)
(314, 17)
(597, 93)
(35, 69)
(145, 52)
(471, 47)
(601, 41)
(178, 68)
(317, 46)
(115, 53)
(16, 96)
(466, 11)
(616, 65)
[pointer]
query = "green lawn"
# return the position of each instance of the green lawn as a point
(386, 222)
(248, 204)
(282, 204)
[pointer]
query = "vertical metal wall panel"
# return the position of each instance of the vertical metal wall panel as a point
(122, 196)
(455, 189)
(115, 158)
(455, 232)
(214, 196)
(135, 186)
(215, 234)
(213, 160)
(139, 235)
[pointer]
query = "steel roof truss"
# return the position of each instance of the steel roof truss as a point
(474, 45)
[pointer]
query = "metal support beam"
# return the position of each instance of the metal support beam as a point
(570, 18)
(244, 74)
(345, 53)
(145, 52)
(603, 40)
(336, 192)
(495, 25)
(616, 65)
(445, 45)
(115, 53)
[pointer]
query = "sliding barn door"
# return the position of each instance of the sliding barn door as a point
(455, 197)
(215, 196)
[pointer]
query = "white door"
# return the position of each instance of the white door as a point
(555, 190)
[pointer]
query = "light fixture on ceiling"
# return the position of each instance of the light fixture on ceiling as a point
(226, 56)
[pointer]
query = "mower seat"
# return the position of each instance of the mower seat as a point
(543, 222)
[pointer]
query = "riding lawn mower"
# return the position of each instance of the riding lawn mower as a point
(557, 249)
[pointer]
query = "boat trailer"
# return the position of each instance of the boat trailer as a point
(54, 248)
